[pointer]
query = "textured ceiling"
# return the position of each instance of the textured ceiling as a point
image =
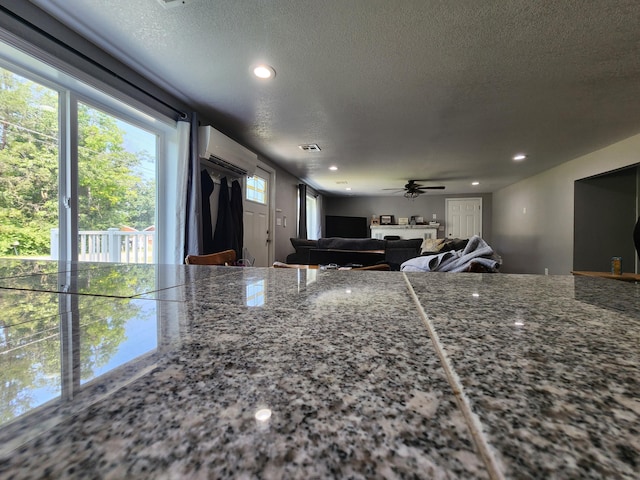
(390, 90)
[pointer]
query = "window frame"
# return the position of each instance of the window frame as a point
(266, 190)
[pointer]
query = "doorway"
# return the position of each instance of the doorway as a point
(605, 213)
(258, 199)
(463, 217)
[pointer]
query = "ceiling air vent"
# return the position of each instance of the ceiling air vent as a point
(310, 147)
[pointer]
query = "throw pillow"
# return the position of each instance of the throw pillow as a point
(431, 245)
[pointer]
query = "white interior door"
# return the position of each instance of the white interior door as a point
(257, 224)
(464, 217)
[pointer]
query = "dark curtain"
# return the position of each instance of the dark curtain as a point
(636, 237)
(223, 238)
(193, 226)
(237, 217)
(302, 221)
(207, 186)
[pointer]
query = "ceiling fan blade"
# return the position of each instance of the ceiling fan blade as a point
(415, 188)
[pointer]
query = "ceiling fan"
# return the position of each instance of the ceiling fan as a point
(412, 189)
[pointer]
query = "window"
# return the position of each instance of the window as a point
(308, 214)
(257, 189)
(80, 170)
(313, 218)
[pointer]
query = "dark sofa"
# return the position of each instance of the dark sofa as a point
(301, 255)
(362, 251)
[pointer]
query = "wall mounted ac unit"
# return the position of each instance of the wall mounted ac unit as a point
(224, 154)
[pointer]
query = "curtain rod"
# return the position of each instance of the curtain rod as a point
(86, 58)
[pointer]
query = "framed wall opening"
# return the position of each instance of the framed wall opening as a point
(606, 208)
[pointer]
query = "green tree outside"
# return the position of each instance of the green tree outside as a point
(28, 164)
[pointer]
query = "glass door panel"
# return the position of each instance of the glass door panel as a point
(28, 168)
(116, 189)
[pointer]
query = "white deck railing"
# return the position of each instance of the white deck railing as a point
(112, 245)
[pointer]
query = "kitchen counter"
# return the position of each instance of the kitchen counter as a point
(134, 371)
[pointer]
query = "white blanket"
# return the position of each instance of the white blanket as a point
(476, 251)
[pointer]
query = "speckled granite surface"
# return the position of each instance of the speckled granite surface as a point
(214, 372)
(550, 365)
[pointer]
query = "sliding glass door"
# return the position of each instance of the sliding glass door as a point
(82, 171)
(77, 179)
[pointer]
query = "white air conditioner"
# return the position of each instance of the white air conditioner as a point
(224, 154)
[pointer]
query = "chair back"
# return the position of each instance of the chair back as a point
(226, 257)
(291, 265)
(380, 266)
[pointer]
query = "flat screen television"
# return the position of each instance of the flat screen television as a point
(346, 227)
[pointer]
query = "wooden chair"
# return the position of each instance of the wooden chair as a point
(381, 266)
(294, 265)
(227, 257)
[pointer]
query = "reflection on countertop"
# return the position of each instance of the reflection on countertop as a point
(188, 371)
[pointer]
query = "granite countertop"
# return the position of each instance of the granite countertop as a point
(132, 371)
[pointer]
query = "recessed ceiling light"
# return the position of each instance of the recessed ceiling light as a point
(333, 168)
(348, 189)
(475, 183)
(264, 71)
(519, 156)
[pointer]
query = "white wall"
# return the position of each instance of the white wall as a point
(286, 206)
(533, 219)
